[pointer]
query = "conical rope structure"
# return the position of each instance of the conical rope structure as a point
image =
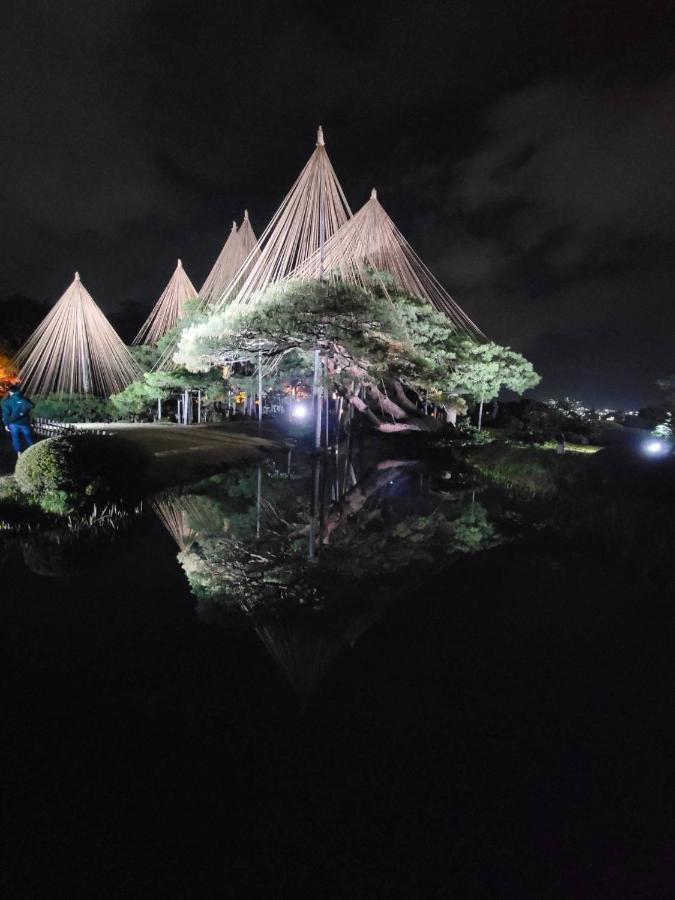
(313, 210)
(169, 309)
(248, 240)
(239, 246)
(184, 516)
(76, 350)
(370, 244)
(303, 655)
(175, 520)
(239, 253)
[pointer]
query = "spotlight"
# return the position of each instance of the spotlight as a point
(656, 448)
(298, 411)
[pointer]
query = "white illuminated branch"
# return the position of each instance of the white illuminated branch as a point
(369, 244)
(76, 350)
(313, 210)
(168, 309)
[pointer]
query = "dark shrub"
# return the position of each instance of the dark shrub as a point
(71, 473)
(73, 408)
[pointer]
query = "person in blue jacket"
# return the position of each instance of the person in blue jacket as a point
(16, 418)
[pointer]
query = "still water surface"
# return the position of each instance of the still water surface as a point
(373, 678)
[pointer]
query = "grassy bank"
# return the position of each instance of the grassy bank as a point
(616, 502)
(528, 471)
(85, 476)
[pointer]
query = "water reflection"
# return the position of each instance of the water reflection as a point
(312, 553)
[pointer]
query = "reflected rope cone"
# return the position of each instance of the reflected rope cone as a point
(169, 309)
(240, 246)
(302, 655)
(313, 210)
(370, 244)
(183, 515)
(175, 520)
(76, 350)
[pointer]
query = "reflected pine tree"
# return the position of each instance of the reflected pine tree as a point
(311, 559)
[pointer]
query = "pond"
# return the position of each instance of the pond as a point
(346, 674)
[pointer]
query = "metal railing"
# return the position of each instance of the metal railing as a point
(52, 428)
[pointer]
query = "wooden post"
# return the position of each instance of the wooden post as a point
(259, 391)
(338, 421)
(327, 408)
(159, 409)
(257, 517)
(316, 396)
(314, 508)
(199, 406)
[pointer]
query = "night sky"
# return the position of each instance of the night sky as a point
(527, 151)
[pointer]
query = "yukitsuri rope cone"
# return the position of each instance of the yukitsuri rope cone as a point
(183, 515)
(240, 244)
(313, 210)
(175, 521)
(75, 350)
(168, 309)
(370, 243)
(240, 247)
(302, 654)
(247, 238)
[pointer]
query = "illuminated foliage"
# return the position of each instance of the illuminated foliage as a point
(8, 373)
(367, 338)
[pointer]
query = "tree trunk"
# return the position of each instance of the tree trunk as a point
(403, 400)
(480, 412)
(384, 403)
(450, 414)
(385, 427)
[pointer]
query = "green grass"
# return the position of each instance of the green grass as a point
(531, 471)
(570, 448)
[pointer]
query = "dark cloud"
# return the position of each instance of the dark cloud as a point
(560, 222)
(577, 163)
(525, 150)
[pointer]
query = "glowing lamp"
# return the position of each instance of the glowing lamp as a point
(655, 448)
(298, 411)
